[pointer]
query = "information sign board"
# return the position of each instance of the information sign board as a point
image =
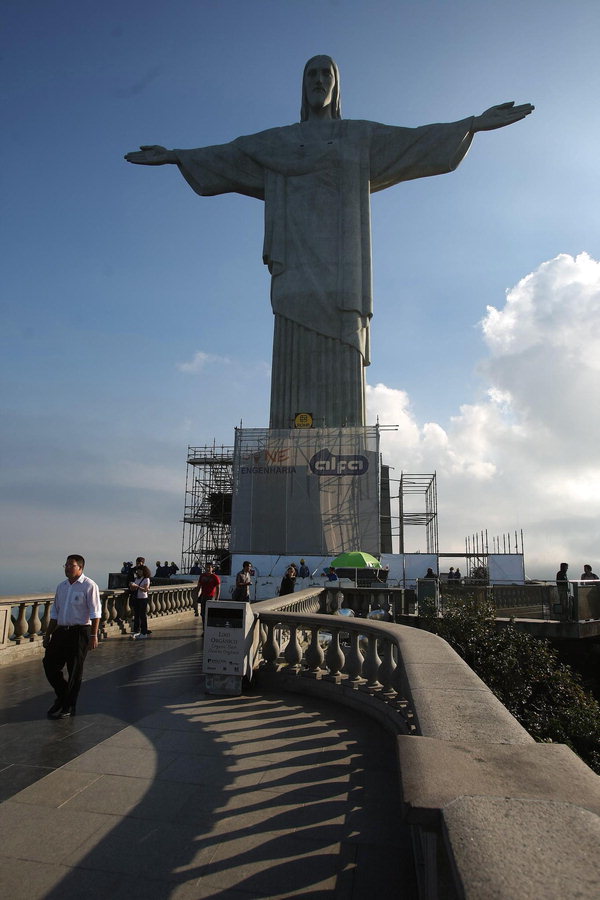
(226, 637)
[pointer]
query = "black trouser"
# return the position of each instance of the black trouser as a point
(68, 646)
(140, 619)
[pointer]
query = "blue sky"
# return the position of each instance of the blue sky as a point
(117, 278)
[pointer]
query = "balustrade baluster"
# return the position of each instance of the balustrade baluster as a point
(314, 655)
(21, 625)
(11, 627)
(127, 611)
(34, 621)
(262, 633)
(111, 609)
(354, 659)
(387, 669)
(270, 650)
(293, 651)
(104, 614)
(372, 664)
(46, 616)
(334, 657)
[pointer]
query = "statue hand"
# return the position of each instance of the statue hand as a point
(501, 115)
(151, 155)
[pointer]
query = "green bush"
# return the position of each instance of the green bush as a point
(544, 695)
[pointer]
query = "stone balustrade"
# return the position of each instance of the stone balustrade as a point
(493, 814)
(24, 620)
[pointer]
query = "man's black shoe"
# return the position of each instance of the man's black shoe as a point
(55, 708)
(67, 712)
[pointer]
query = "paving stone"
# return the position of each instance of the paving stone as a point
(42, 880)
(278, 865)
(13, 778)
(197, 769)
(44, 834)
(150, 849)
(57, 788)
(134, 736)
(140, 798)
(108, 759)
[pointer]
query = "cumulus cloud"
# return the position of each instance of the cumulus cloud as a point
(525, 455)
(200, 360)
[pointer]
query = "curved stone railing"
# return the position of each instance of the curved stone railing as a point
(493, 814)
(24, 620)
(336, 655)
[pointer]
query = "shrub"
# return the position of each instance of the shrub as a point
(524, 672)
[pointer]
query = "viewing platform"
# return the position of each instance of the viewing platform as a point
(364, 757)
(157, 790)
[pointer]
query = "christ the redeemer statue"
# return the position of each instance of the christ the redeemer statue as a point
(315, 179)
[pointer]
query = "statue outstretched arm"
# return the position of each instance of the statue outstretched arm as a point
(501, 115)
(151, 155)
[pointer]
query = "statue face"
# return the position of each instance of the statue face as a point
(319, 82)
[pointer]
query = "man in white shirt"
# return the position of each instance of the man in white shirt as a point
(72, 631)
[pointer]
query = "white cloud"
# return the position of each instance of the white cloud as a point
(200, 360)
(524, 456)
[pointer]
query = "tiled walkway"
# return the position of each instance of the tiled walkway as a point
(156, 790)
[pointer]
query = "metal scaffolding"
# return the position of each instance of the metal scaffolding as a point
(426, 487)
(207, 511)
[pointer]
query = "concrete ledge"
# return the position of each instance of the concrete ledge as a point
(449, 700)
(503, 849)
(435, 773)
(517, 821)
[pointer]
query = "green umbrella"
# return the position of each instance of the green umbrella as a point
(355, 559)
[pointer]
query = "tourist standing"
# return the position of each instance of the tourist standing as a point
(303, 571)
(243, 582)
(562, 583)
(72, 631)
(139, 598)
(209, 588)
(288, 582)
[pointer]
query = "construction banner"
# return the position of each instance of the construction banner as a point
(311, 491)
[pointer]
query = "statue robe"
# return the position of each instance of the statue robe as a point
(315, 179)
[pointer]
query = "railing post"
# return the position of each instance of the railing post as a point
(104, 614)
(293, 651)
(372, 664)
(11, 626)
(354, 659)
(21, 623)
(34, 621)
(127, 611)
(334, 657)
(46, 616)
(314, 655)
(387, 669)
(271, 648)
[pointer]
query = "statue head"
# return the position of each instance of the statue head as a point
(328, 95)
